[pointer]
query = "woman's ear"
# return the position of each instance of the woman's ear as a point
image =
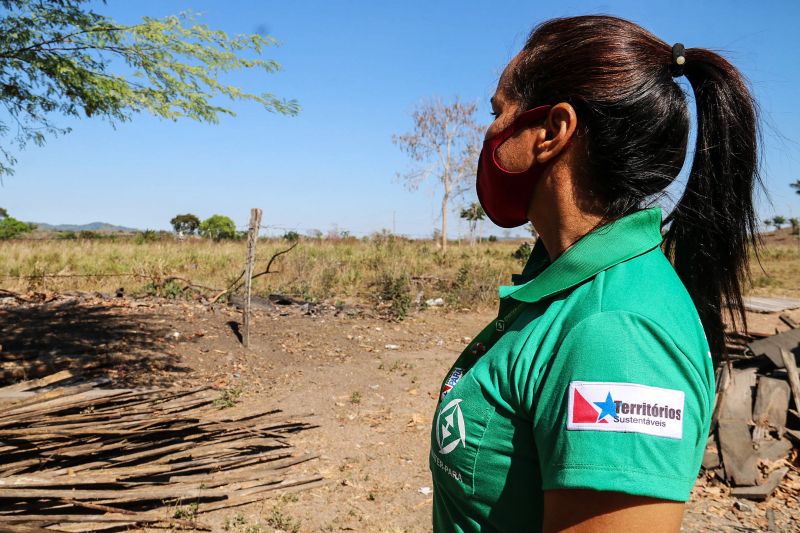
(562, 121)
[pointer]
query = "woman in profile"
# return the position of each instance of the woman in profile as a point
(586, 405)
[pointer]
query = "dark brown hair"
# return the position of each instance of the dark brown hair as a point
(634, 122)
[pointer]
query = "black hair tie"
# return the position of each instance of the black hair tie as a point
(678, 59)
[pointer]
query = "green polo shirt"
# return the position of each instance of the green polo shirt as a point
(596, 375)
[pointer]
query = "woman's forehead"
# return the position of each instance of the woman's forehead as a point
(501, 93)
(504, 82)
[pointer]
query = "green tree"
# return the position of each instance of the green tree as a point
(795, 186)
(778, 221)
(11, 228)
(59, 57)
(185, 224)
(218, 227)
(473, 214)
(291, 236)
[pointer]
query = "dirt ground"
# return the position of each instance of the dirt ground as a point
(370, 384)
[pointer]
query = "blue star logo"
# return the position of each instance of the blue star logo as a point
(607, 407)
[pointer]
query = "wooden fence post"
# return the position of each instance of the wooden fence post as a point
(252, 238)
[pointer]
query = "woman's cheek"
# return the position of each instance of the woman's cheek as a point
(515, 154)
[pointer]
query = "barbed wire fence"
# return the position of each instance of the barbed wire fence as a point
(242, 282)
(159, 282)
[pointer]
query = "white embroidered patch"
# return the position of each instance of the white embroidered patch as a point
(625, 407)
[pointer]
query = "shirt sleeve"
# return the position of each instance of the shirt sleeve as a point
(620, 407)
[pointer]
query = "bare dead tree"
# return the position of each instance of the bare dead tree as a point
(444, 145)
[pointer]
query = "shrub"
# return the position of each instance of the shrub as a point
(88, 234)
(228, 398)
(461, 283)
(394, 295)
(147, 235)
(473, 286)
(523, 252)
(171, 289)
(11, 228)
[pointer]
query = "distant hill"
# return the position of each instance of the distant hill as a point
(92, 226)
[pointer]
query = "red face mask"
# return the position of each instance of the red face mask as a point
(505, 195)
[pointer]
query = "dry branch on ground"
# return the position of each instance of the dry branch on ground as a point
(76, 453)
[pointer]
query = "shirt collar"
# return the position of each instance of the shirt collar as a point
(608, 245)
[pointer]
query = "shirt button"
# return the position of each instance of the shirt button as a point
(478, 349)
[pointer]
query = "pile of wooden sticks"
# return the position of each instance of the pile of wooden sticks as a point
(79, 457)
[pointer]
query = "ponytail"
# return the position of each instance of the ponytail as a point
(713, 227)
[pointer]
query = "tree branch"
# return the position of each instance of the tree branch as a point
(63, 38)
(237, 284)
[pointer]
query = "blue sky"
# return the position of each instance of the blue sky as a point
(358, 68)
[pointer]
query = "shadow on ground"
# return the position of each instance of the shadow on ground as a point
(87, 337)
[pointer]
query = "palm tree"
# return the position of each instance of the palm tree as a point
(795, 186)
(795, 222)
(473, 214)
(532, 230)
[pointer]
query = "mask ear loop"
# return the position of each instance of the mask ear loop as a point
(523, 121)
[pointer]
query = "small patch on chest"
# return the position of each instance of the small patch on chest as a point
(452, 379)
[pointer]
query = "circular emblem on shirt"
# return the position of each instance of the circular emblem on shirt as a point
(450, 431)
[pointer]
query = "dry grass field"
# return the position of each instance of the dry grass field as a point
(778, 273)
(383, 268)
(348, 270)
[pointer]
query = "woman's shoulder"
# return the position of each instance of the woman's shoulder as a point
(639, 300)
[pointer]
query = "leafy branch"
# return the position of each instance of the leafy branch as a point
(59, 58)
